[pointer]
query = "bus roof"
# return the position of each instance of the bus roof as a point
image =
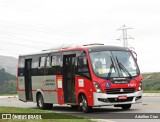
(90, 47)
(107, 48)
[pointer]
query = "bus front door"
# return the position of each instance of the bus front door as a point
(69, 78)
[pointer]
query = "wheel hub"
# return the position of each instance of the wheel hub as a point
(84, 104)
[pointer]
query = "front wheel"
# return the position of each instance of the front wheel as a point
(83, 104)
(126, 106)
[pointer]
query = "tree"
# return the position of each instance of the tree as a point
(2, 77)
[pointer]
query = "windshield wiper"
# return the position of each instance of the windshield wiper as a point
(124, 68)
(111, 67)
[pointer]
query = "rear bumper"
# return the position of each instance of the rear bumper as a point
(103, 99)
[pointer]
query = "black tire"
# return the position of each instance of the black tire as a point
(126, 106)
(83, 104)
(41, 104)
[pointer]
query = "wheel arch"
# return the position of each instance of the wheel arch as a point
(83, 92)
(38, 92)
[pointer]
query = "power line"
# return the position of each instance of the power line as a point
(41, 29)
(4, 33)
(32, 40)
(10, 43)
(10, 36)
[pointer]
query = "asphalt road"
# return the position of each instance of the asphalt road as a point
(149, 105)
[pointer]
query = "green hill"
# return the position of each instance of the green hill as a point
(151, 82)
(7, 82)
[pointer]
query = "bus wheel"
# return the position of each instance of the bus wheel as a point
(126, 106)
(83, 104)
(41, 104)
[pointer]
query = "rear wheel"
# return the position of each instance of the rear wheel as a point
(83, 104)
(126, 106)
(41, 104)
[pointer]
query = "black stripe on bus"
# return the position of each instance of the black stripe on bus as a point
(56, 70)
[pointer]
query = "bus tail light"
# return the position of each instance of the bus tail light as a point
(97, 87)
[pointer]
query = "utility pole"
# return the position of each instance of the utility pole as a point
(124, 36)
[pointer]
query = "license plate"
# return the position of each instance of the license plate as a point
(122, 97)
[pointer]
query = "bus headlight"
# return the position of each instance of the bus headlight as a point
(97, 87)
(140, 86)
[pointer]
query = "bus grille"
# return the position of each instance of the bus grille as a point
(112, 100)
(120, 91)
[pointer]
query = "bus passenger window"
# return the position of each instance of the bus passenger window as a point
(53, 60)
(56, 62)
(21, 63)
(48, 63)
(34, 63)
(59, 60)
(41, 61)
(21, 67)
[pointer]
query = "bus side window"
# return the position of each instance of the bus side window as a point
(59, 60)
(35, 63)
(56, 62)
(48, 61)
(21, 63)
(21, 67)
(83, 68)
(42, 62)
(53, 58)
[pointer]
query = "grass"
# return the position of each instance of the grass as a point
(151, 91)
(8, 94)
(57, 117)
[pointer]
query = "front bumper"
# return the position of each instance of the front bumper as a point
(103, 99)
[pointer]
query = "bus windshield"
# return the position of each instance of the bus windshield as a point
(108, 64)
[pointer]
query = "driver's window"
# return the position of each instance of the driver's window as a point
(82, 64)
